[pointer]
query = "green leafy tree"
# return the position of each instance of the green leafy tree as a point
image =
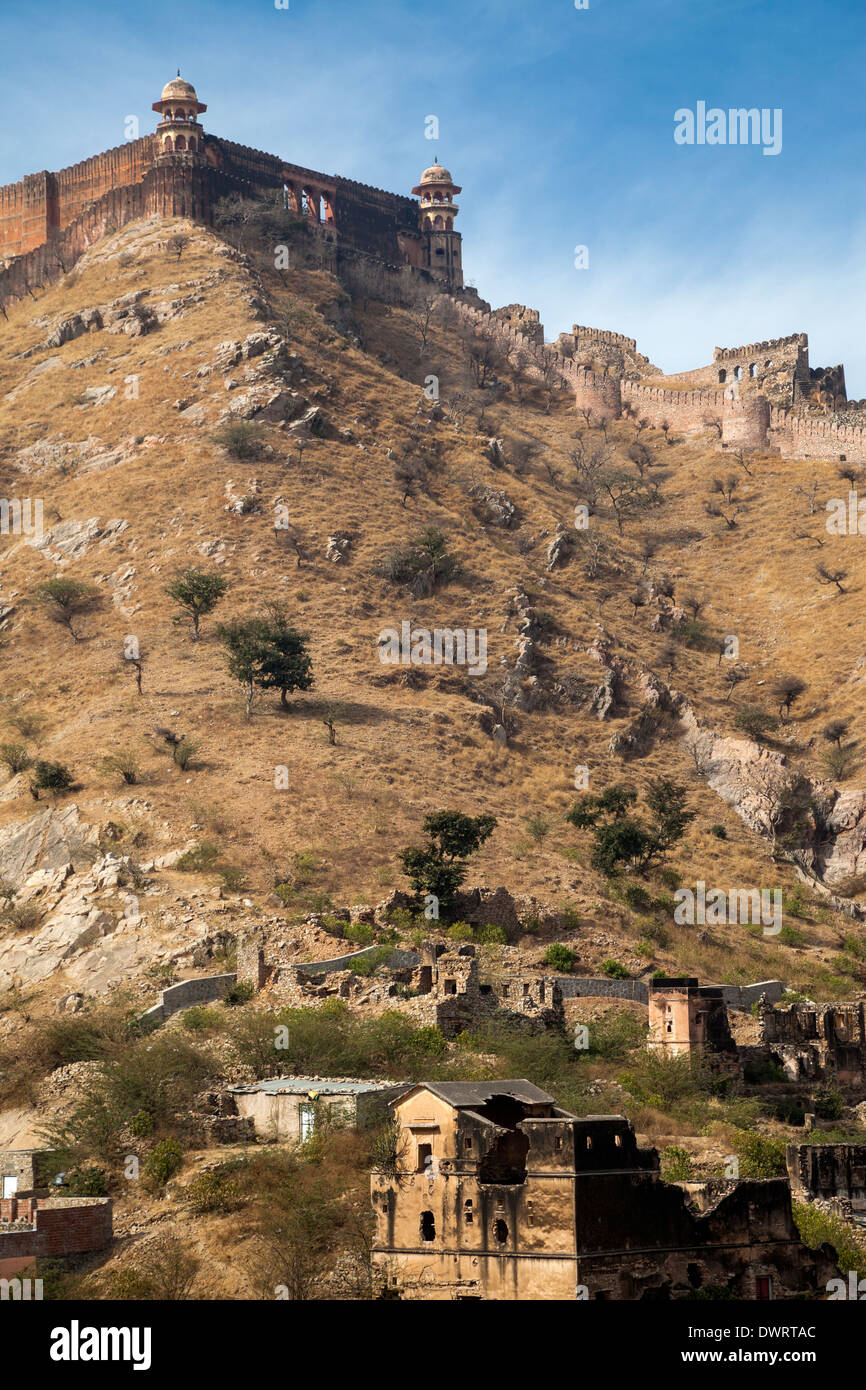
(266, 651)
(198, 592)
(439, 867)
(623, 839)
(64, 599)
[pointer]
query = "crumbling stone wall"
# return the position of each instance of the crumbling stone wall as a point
(526, 322)
(817, 1041)
(831, 1176)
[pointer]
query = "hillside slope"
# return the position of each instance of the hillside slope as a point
(112, 417)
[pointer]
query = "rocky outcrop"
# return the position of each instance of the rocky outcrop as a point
(817, 827)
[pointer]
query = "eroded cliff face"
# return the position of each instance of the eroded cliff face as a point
(818, 827)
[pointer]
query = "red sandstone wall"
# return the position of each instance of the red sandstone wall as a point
(83, 183)
(23, 215)
(43, 204)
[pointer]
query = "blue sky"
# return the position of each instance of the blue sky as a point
(557, 122)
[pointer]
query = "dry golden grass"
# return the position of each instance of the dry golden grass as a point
(401, 751)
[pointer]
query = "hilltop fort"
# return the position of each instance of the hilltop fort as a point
(760, 395)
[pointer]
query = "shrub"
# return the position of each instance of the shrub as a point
(241, 439)
(233, 879)
(84, 1182)
(163, 1162)
(754, 721)
(759, 1155)
(790, 936)
(427, 555)
(122, 765)
(21, 916)
(661, 1081)
(367, 965)
(183, 752)
(616, 971)
(560, 958)
(200, 1019)
(539, 828)
(676, 1164)
(15, 756)
(50, 777)
(719, 831)
(212, 1192)
(570, 919)
(828, 1102)
(816, 1227)
(461, 931)
(238, 993)
(361, 933)
(492, 935)
(637, 898)
(197, 860)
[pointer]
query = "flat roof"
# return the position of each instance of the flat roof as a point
(303, 1085)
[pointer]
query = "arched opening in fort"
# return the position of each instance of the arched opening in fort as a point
(168, 144)
(723, 376)
(439, 224)
(180, 142)
(738, 373)
(752, 368)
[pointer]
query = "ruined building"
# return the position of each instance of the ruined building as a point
(686, 1017)
(831, 1177)
(496, 1193)
(180, 170)
(817, 1042)
(438, 986)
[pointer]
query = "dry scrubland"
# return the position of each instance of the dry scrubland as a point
(407, 743)
(403, 748)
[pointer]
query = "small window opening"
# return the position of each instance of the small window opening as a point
(428, 1226)
(500, 1231)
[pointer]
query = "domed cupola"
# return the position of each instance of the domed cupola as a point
(179, 131)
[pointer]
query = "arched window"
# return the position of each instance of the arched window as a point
(752, 368)
(723, 376)
(180, 142)
(738, 373)
(167, 144)
(439, 224)
(192, 142)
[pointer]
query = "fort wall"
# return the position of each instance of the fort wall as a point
(817, 437)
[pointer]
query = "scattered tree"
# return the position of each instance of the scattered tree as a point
(439, 867)
(198, 591)
(64, 599)
(268, 652)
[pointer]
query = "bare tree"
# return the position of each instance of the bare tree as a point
(825, 575)
(809, 493)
